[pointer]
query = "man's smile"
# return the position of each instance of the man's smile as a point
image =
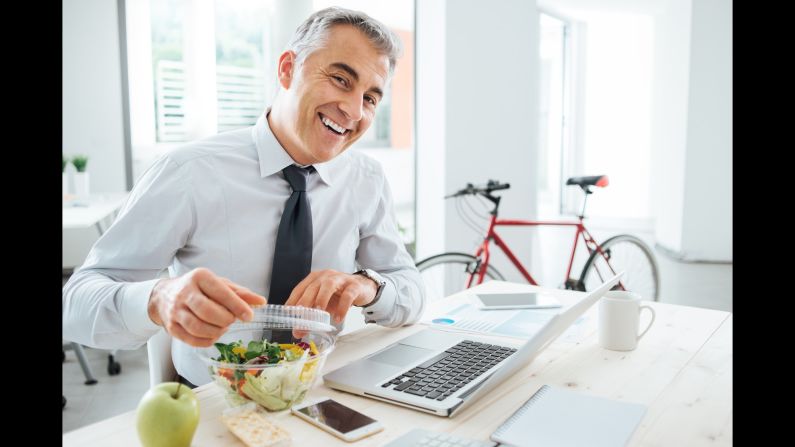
(333, 126)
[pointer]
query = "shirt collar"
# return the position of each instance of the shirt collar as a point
(272, 156)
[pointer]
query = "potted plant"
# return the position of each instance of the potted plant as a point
(64, 176)
(81, 176)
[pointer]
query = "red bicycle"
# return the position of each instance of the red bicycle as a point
(448, 273)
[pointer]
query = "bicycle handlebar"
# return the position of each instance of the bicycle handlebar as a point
(491, 185)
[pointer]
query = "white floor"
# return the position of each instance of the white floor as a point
(111, 395)
(691, 284)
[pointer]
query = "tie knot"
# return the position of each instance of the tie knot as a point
(296, 176)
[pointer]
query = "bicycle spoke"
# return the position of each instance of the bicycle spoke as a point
(623, 254)
(444, 279)
(448, 274)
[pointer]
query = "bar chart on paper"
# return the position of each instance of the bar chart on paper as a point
(463, 314)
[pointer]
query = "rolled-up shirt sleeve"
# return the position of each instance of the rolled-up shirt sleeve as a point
(104, 303)
(381, 249)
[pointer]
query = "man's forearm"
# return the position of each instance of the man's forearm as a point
(100, 312)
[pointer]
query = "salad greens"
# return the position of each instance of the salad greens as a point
(274, 387)
(236, 352)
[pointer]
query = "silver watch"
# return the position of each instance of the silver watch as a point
(371, 274)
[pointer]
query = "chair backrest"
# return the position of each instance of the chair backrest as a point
(161, 367)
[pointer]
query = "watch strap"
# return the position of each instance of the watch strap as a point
(379, 282)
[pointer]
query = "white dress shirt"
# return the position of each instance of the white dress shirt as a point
(217, 203)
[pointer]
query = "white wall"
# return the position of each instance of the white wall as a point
(693, 154)
(92, 104)
(669, 120)
(707, 223)
(491, 121)
(430, 168)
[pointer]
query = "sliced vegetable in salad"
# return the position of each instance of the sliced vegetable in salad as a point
(275, 388)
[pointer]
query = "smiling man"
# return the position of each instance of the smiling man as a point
(328, 99)
(278, 212)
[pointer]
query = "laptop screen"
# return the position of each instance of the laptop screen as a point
(535, 345)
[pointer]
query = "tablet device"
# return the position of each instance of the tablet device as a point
(523, 300)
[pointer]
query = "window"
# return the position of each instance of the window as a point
(595, 114)
(553, 111)
(240, 76)
(616, 134)
(169, 70)
(240, 69)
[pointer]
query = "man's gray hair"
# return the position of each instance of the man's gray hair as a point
(311, 35)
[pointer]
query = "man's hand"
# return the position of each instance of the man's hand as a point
(333, 291)
(199, 306)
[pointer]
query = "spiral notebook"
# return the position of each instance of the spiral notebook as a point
(559, 417)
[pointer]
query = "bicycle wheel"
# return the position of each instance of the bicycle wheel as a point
(630, 254)
(447, 273)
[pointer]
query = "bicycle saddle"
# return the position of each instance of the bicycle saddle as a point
(593, 180)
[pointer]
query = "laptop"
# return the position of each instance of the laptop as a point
(443, 372)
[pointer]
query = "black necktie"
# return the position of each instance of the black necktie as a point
(292, 258)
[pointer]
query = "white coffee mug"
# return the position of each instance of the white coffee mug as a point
(619, 318)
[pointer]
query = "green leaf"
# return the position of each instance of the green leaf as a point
(256, 346)
(80, 162)
(226, 354)
(223, 352)
(274, 352)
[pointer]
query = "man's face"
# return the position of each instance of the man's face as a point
(330, 100)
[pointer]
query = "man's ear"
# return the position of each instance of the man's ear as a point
(286, 68)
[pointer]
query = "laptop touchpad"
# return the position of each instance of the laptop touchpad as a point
(400, 355)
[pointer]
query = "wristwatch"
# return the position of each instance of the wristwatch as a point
(371, 274)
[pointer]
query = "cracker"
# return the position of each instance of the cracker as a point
(251, 426)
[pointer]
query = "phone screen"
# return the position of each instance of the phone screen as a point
(337, 416)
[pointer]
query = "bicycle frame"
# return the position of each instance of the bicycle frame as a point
(483, 249)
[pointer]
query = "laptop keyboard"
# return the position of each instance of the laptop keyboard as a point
(426, 438)
(451, 370)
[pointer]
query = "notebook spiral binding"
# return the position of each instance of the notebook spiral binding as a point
(518, 413)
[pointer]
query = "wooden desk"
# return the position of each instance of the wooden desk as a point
(682, 369)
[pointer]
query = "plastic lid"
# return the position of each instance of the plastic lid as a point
(276, 316)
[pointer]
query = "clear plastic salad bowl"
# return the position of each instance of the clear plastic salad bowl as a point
(257, 368)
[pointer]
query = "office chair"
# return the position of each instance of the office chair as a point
(114, 367)
(161, 367)
(81, 357)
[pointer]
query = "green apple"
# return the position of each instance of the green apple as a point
(167, 416)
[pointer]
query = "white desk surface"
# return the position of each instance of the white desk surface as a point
(79, 214)
(682, 370)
